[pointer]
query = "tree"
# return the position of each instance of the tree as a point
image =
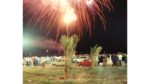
(69, 44)
(94, 54)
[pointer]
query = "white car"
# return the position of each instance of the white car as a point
(60, 62)
(58, 58)
(80, 59)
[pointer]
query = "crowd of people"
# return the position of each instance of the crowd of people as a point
(35, 60)
(112, 60)
(39, 61)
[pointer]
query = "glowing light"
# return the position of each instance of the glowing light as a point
(26, 41)
(60, 5)
(89, 2)
(69, 16)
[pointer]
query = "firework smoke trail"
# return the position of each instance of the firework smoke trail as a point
(65, 15)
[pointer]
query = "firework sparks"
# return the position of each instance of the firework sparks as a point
(64, 14)
(69, 16)
(89, 2)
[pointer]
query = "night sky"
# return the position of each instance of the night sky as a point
(113, 40)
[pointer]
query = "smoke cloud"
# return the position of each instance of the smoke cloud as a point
(45, 43)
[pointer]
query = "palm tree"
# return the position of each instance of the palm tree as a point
(69, 44)
(94, 54)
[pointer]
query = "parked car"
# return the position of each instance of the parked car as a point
(58, 57)
(80, 59)
(86, 63)
(60, 62)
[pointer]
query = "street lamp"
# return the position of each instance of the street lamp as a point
(47, 52)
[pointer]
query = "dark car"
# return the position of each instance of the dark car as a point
(86, 63)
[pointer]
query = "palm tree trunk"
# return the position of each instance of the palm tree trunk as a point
(66, 69)
(92, 62)
(66, 72)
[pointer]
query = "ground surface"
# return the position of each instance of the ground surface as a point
(78, 75)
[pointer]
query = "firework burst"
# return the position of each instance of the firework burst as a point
(65, 15)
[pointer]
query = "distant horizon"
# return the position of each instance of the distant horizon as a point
(57, 53)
